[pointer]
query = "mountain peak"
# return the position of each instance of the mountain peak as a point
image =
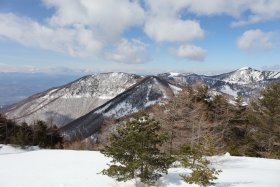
(244, 68)
(245, 75)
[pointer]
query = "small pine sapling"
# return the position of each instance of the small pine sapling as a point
(194, 158)
(135, 151)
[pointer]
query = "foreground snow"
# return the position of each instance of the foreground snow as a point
(65, 168)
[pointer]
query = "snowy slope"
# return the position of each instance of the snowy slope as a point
(91, 98)
(64, 104)
(147, 92)
(65, 168)
(245, 82)
(247, 75)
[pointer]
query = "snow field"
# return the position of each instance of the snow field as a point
(66, 168)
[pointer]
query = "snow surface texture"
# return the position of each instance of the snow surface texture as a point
(65, 168)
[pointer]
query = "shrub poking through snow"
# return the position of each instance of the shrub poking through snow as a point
(193, 157)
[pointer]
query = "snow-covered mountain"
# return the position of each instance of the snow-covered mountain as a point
(244, 81)
(247, 75)
(80, 107)
(63, 104)
(147, 92)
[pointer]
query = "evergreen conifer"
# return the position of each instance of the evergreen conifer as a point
(135, 150)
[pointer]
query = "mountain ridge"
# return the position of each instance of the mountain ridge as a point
(80, 92)
(80, 106)
(86, 125)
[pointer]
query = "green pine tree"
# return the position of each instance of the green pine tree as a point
(194, 158)
(3, 126)
(23, 135)
(135, 150)
(237, 129)
(270, 103)
(264, 120)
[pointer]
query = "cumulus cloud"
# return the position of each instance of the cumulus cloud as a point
(252, 40)
(163, 22)
(199, 7)
(259, 11)
(190, 52)
(108, 18)
(245, 11)
(173, 30)
(129, 52)
(90, 27)
(80, 28)
(76, 42)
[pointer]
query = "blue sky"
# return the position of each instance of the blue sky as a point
(140, 36)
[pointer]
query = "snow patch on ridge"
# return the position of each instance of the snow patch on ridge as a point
(227, 90)
(244, 68)
(175, 89)
(174, 74)
(121, 110)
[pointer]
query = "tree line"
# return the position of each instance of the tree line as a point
(193, 125)
(38, 134)
(251, 129)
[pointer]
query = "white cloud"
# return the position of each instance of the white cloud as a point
(244, 11)
(82, 41)
(255, 40)
(12, 68)
(130, 52)
(190, 52)
(260, 11)
(173, 30)
(7, 68)
(216, 7)
(80, 28)
(89, 27)
(107, 18)
(76, 42)
(163, 22)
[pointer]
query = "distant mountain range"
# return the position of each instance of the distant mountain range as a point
(80, 107)
(244, 82)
